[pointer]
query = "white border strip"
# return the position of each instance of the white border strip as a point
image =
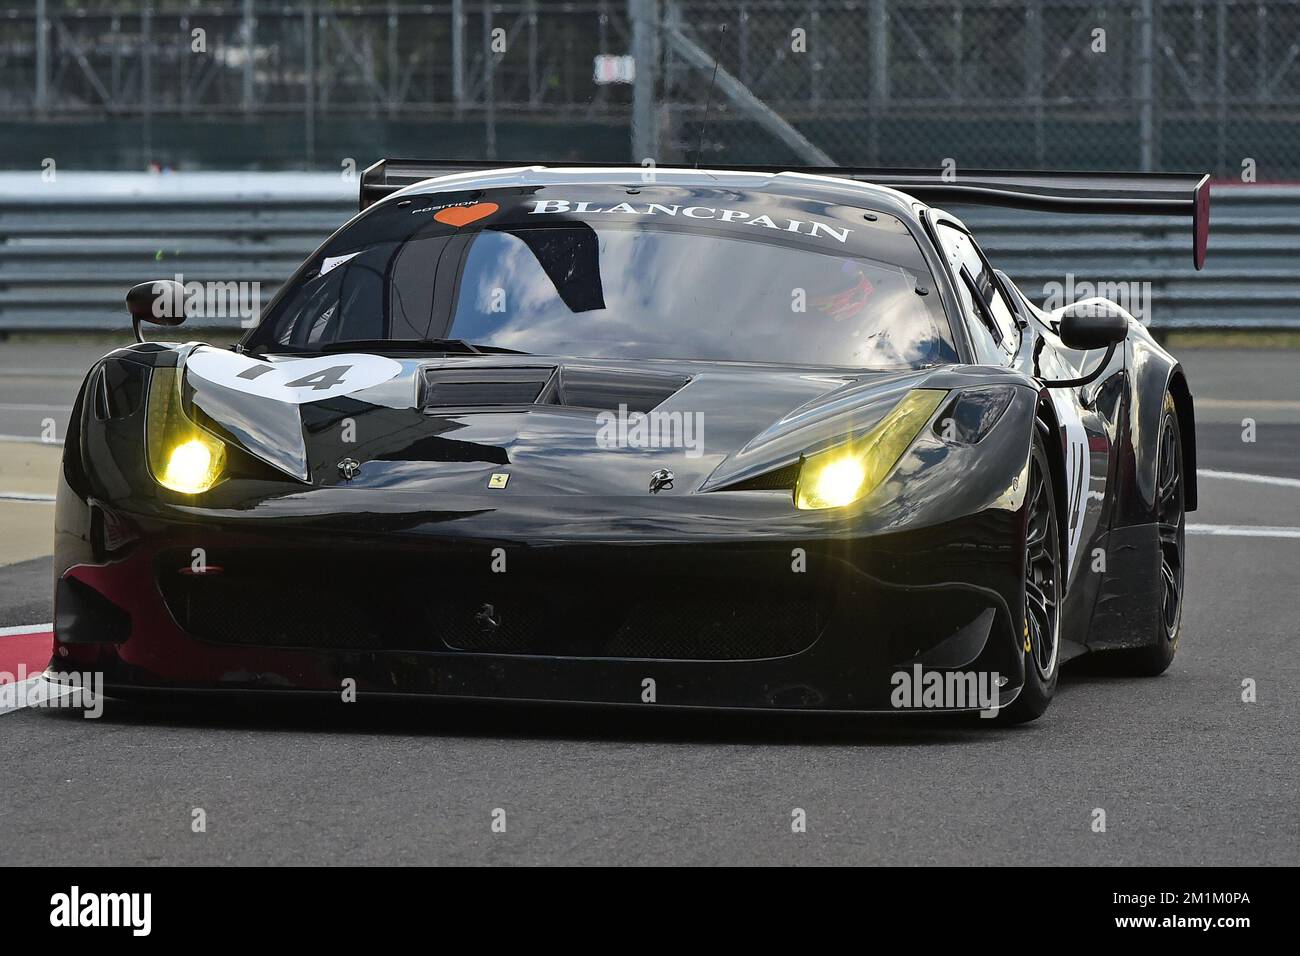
(30, 440)
(24, 496)
(7, 372)
(20, 690)
(1242, 476)
(1246, 403)
(1243, 531)
(26, 629)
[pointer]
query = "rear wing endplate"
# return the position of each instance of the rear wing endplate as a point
(1182, 195)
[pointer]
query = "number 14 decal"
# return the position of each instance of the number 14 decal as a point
(293, 381)
(325, 378)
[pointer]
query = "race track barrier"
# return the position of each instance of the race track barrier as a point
(68, 254)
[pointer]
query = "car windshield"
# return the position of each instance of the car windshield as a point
(625, 286)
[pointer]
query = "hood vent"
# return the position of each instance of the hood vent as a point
(780, 479)
(638, 389)
(574, 386)
(445, 387)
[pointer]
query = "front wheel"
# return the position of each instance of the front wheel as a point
(1041, 616)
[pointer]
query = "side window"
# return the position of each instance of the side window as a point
(341, 302)
(992, 319)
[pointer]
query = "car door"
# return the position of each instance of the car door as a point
(1098, 408)
(1001, 317)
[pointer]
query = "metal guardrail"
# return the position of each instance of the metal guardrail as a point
(66, 263)
(69, 250)
(1251, 278)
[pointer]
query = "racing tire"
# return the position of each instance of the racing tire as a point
(1164, 608)
(1043, 590)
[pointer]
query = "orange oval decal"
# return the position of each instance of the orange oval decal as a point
(463, 215)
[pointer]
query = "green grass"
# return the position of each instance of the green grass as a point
(1235, 339)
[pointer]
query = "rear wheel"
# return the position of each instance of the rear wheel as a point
(1165, 600)
(1041, 615)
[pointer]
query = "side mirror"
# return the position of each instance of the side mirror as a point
(1092, 324)
(160, 302)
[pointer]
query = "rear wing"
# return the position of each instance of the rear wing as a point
(1183, 195)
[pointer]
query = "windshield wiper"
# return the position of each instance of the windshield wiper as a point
(410, 345)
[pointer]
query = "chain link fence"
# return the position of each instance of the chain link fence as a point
(1009, 83)
(1141, 84)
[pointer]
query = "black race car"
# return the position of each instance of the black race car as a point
(750, 438)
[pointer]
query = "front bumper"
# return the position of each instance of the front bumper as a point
(785, 623)
(720, 599)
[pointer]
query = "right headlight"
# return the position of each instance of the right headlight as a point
(847, 473)
(182, 456)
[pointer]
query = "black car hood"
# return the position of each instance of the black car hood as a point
(554, 425)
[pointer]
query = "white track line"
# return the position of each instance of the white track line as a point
(25, 629)
(21, 690)
(1271, 403)
(42, 372)
(30, 439)
(1242, 476)
(9, 407)
(1243, 531)
(24, 496)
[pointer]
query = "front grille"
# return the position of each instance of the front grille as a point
(408, 608)
(723, 629)
(230, 609)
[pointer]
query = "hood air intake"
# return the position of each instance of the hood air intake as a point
(577, 387)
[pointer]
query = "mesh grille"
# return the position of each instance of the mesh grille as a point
(667, 630)
(283, 614)
(782, 479)
(715, 631)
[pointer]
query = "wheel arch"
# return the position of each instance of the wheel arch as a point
(1049, 426)
(1182, 396)
(1153, 375)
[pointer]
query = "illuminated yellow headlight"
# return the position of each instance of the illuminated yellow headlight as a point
(193, 466)
(182, 456)
(842, 475)
(832, 482)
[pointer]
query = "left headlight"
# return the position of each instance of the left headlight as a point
(846, 473)
(182, 456)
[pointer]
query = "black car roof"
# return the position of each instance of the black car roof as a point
(797, 185)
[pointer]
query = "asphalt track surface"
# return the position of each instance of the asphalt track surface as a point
(1186, 772)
